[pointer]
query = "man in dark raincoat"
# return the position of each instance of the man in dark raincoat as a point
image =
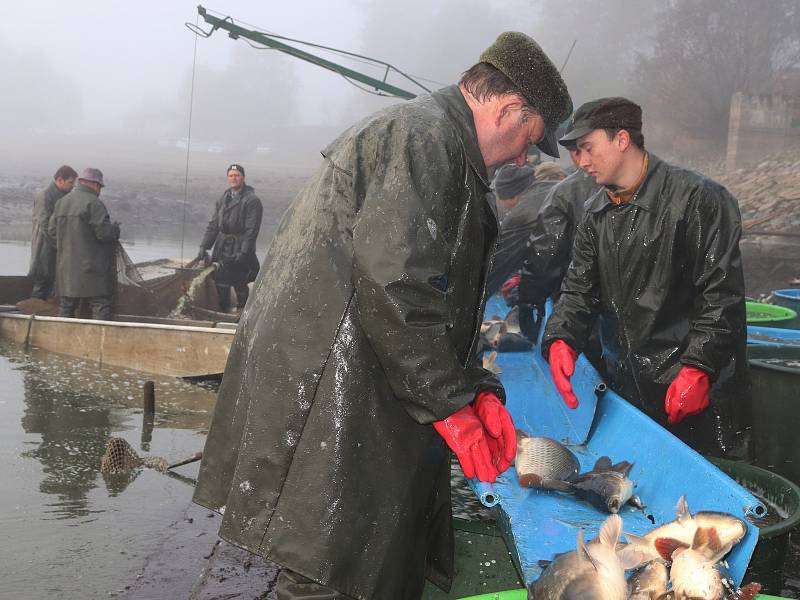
(43, 253)
(550, 249)
(656, 258)
(85, 241)
(517, 223)
(233, 231)
(351, 367)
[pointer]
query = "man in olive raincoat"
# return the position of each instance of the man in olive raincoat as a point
(85, 241)
(656, 258)
(232, 231)
(43, 253)
(351, 367)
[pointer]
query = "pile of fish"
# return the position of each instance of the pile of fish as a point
(546, 464)
(504, 335)
(681, 560)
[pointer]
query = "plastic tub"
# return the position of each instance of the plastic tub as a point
(788, 298)
(783, 497)
(759, 313)
(775, 373)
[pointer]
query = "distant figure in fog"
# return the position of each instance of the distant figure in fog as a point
(43, 252)
(232, 231)
(85, 241)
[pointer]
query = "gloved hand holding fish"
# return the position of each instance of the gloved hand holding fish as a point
(544, 463)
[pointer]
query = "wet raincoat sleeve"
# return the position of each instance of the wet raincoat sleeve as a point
(400, 271)
(579, 304)
(713, 231)
(212, 229)
(549, 253)
(100, 222)
(252, 225)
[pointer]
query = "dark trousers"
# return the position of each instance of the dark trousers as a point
(101, 306)
(293, 586)
(224, 293)
(42, 288)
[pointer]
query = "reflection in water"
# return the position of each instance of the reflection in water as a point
(74, 536)
(73, 431)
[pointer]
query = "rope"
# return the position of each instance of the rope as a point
(188, 143)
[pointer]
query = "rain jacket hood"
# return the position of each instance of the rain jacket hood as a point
(358, 335)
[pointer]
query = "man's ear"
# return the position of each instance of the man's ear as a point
(504, 106)
(623, 139)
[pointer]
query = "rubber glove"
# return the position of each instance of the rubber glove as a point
(498, 424)
(509, 285)
(688, 395)
(562, 366)
(464, 433)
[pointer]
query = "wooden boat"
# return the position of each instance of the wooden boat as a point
(143, 335)
(164, 348)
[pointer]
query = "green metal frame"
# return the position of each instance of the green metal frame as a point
(235, 32)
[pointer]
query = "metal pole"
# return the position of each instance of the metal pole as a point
(149, 397)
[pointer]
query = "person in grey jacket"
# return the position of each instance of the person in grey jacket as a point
(85, 241)
(232, 232)
(43, 252)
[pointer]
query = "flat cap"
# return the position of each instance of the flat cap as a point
(511, 180)
(548, 170)
(235, 167)
(523, 61)
(90, 174)
(604, 113)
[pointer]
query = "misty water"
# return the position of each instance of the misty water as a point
(74, 534)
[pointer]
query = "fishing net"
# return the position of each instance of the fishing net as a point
(121, 459)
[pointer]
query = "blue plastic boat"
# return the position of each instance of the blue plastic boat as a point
(772, 336)
(541, 524)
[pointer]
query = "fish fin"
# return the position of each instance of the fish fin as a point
(603, 464)
(556, 484)
(610, 530)
(623, 467)
(682, 510)
(583, 551)
(636, 540)
(631, 557)
(706, 540)
(666, 546)
(749, 591)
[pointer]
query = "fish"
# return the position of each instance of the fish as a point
(696, 573)
(542, 462)
(662, 541)
(606, 486)
(649, 582)
(594, 570)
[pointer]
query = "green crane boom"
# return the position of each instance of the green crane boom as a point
(271, 41)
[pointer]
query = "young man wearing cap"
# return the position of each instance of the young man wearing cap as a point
(350, 374)
(43, 253)
(232, 231)
(656, 258)
(85, 238)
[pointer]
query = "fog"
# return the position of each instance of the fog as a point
(112, 82)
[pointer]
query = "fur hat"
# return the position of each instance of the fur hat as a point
(524, 62)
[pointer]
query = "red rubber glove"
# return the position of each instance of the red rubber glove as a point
(464, 433)
(509, 285)
(687, 395)
(562, 366)
(500, 427)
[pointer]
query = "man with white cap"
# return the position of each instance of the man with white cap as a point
(85, 242)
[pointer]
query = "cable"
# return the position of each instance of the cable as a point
(188, 145)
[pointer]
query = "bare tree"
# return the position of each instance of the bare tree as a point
(705, 50)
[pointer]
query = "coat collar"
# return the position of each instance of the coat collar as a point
(645, 197)
(85, 188)
(458, 112)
